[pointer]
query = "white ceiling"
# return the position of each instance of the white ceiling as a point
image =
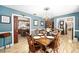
(54, 10)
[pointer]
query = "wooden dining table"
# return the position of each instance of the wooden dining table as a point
(36, 37)
(45, 40)
(40, 34)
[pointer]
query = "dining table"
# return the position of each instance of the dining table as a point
(45, 40)
(36, 37)
(40, 34)
(50, 37)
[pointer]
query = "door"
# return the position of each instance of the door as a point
(15, 29)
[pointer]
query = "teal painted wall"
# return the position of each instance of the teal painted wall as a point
(76, 21)
(8, 27)
(8, 12)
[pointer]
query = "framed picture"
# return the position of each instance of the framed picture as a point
(5, 19)
(41, 23)
(35, 22)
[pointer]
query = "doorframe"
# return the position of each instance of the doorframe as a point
(65, 18)
(73, 17)
(13, 25)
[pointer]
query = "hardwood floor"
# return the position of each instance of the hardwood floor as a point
(67, 45)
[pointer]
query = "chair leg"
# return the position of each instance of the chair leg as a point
(4, 48)
(29, 51)
(56, 50)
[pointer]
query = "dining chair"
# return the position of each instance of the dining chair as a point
(54, 45)
(57, 42)
(34, 46)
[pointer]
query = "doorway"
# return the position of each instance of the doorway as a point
(69, 26)
(20, 25)
(70, 23)
(23, 26)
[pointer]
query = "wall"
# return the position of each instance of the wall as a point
(9, 11)
(8, 27)
(76, 21)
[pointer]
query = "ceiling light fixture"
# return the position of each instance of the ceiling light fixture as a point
(46, 9)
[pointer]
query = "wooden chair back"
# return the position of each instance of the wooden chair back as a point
(55, 43)
(33, 45)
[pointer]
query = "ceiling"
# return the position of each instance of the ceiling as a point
(54, 10)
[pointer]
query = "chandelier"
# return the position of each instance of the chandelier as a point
(46, 17)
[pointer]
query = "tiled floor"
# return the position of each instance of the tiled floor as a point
(66, 45)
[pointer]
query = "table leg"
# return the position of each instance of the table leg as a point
(4, 44)
(43, 48)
